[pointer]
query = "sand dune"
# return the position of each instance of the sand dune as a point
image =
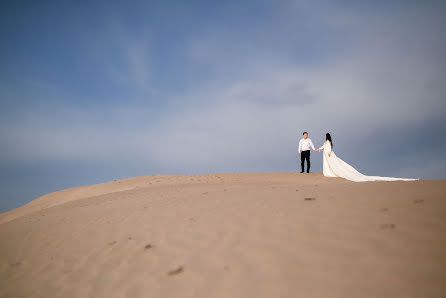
(229, 235)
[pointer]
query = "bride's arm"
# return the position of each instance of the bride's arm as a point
(329, 149)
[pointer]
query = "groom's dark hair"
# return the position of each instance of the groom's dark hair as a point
(305, 133)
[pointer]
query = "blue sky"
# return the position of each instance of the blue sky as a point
(92, 91)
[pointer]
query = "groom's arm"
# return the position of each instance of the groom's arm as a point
(312, 146)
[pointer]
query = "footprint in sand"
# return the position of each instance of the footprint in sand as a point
(111, 243)
(175, 271)
(388, 226)
(148, 246)
(384, 209)
(418, 201)
(310, 199)
(15, 264)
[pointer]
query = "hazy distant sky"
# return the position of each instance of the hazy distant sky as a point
(92, 91)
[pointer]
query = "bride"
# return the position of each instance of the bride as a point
(333, 166)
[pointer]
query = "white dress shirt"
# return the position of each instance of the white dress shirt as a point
(304, 144)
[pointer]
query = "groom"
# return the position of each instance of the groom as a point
(304, 151)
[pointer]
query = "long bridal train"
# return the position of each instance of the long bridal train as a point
(333, 166)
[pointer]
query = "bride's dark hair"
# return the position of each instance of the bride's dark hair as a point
(328, 137)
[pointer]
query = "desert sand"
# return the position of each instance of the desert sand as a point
(229, 235)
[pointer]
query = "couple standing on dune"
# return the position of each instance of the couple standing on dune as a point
(333, 166)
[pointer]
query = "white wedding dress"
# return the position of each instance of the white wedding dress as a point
(333, 166)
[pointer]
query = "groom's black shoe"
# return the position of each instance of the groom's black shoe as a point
(302, 172)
